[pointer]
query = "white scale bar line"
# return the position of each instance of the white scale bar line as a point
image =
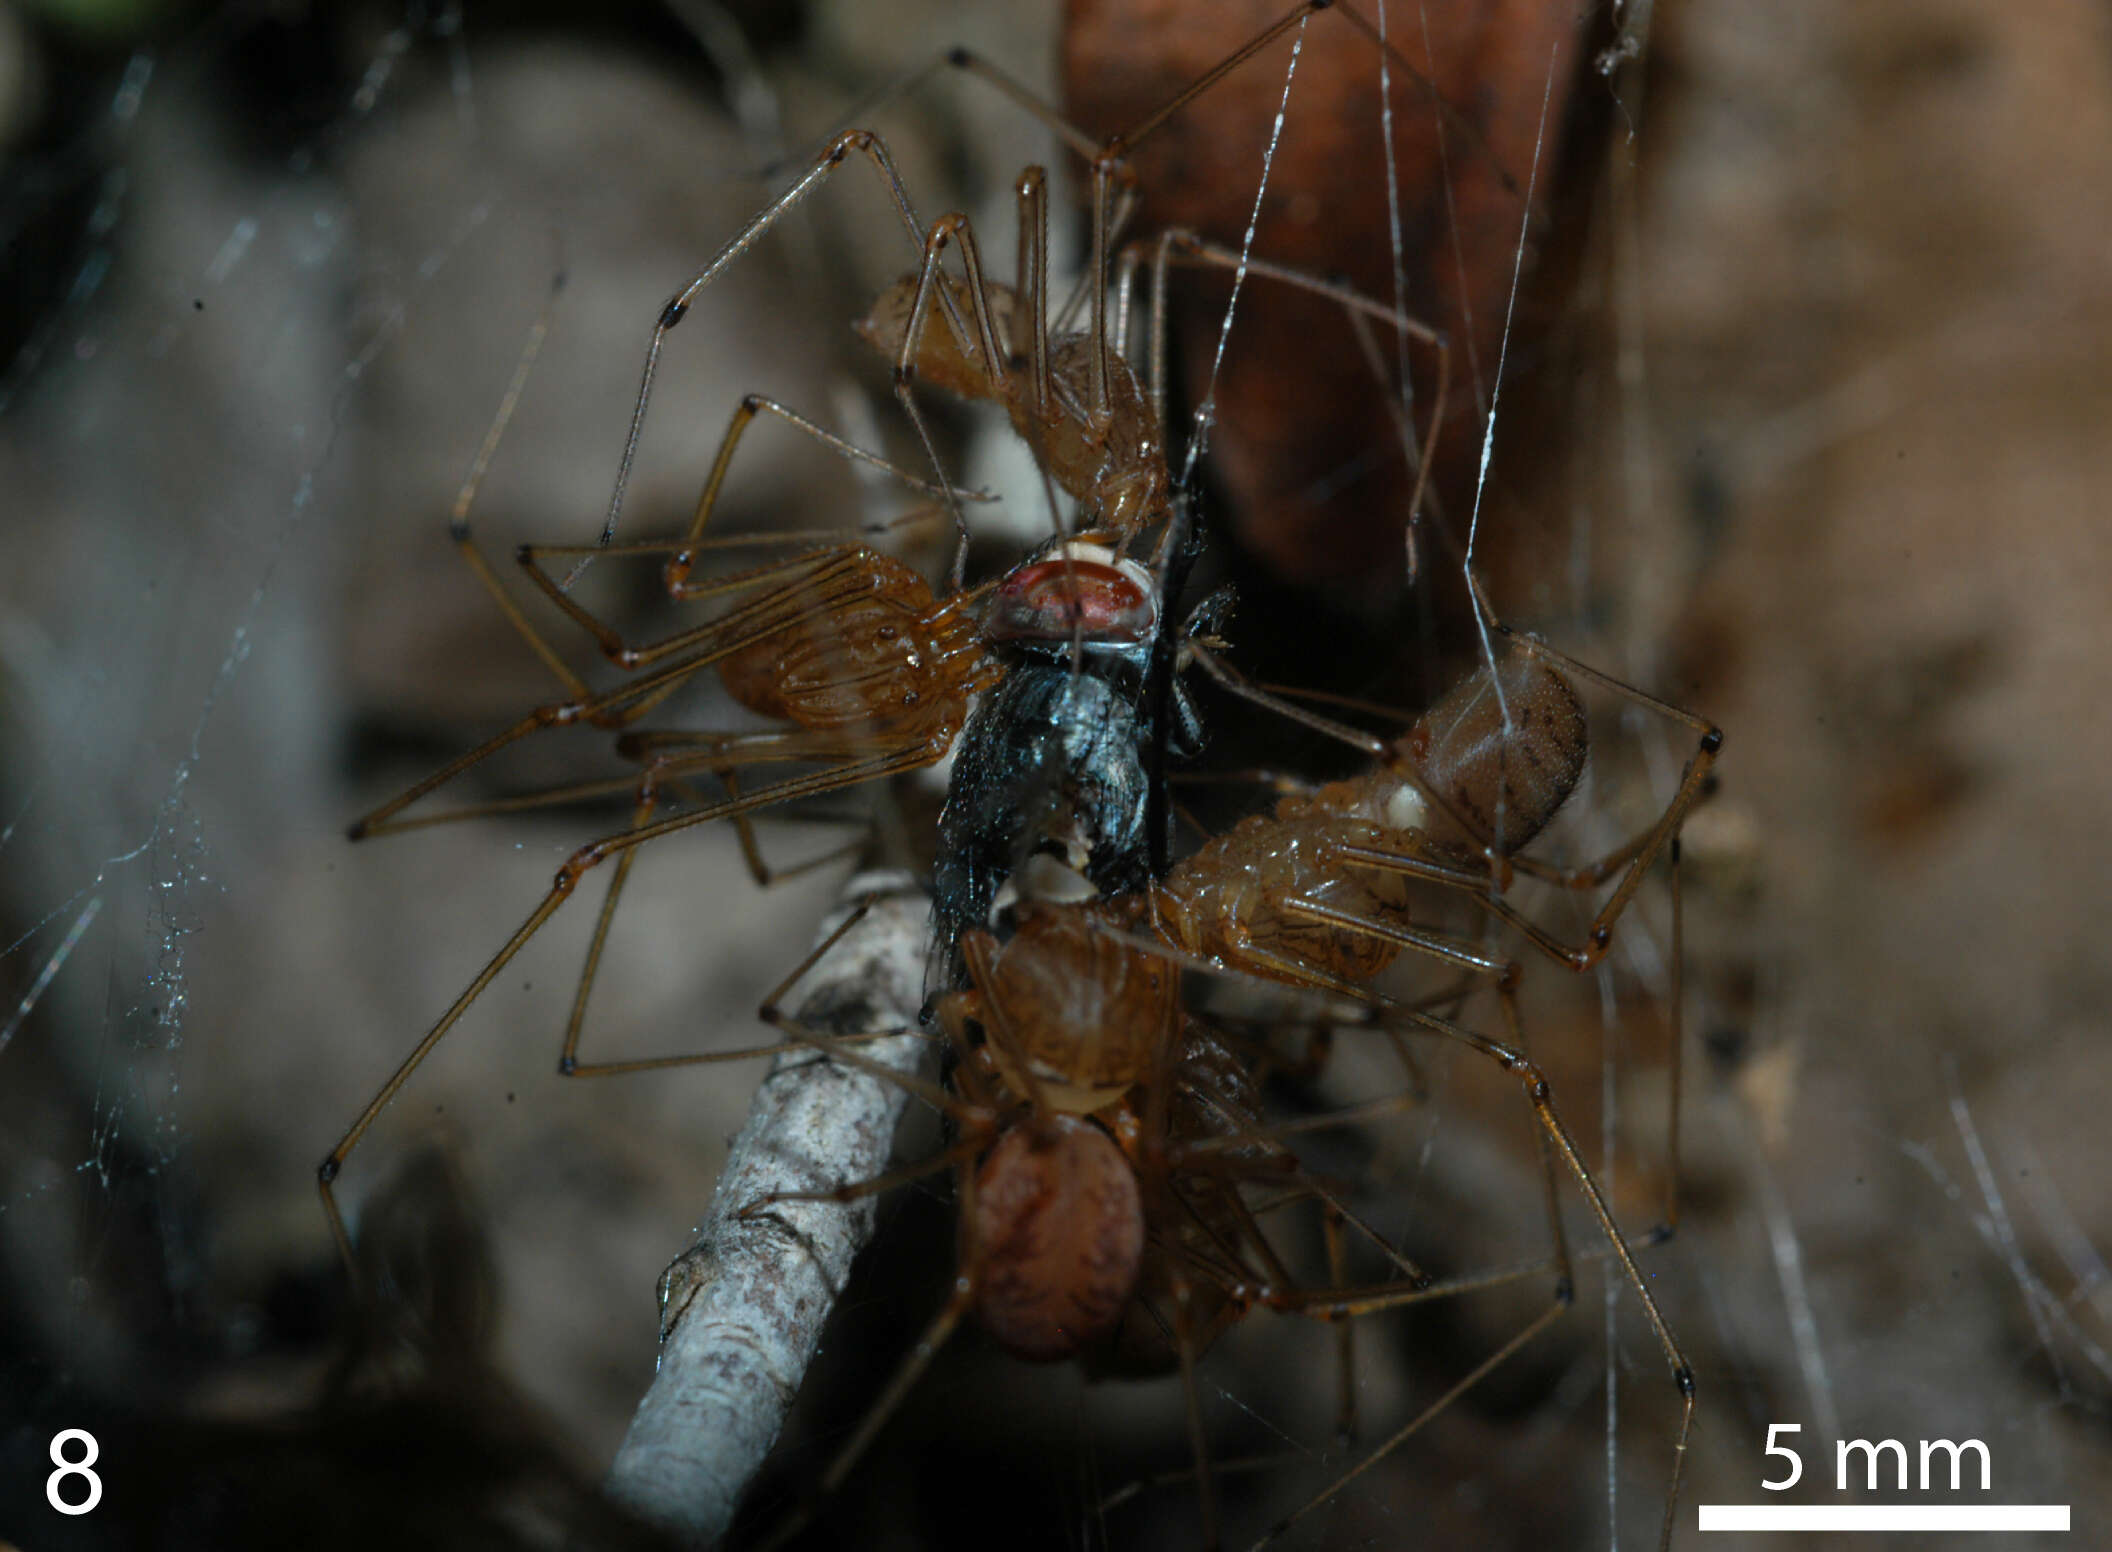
(1884, 1517)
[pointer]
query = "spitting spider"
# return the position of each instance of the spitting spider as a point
(1344, 879)
(1112, 1171)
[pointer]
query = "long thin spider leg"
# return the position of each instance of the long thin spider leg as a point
(568, 1063)
(832, 1045)
(1679, 1045)
(1556, 1138)
(906, 1375)
(519, 803)
(1456, 122)
(1198, 1446)
(648, 801)
(724, 754)
(567, 880)
(1032, 316)
(803, 1040)
(1238, 684)
(932, 279)
(1350, 1303)
(860, 140)
(1222, 1468)
(751, 843)
(1177, 244)
(1292, 19)
(1693, 781)
(744, 415)
(1382, 1011)
(1541, 1099)
(800, 580)
(1475, 883)
(857, 1190)
(1337, 1306)
(1466, 1383)
(377, 820)
(1201, 1149)
(1192, 248)
(1230, 679)
(1088, 146)
(458, 529)
(1338, 1211)
(1346, 1333)
(1589, 875)
(911, 758)
(1181, 245)
(611, 708)
(821, 545)
(1340, 1308)
(1437, 945)
(1422, 500)
(327, 1172)
(1558, 1232)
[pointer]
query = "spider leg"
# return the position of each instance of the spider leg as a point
(866, 143)
(568, 876)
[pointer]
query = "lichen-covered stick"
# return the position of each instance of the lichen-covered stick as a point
(742, 1309)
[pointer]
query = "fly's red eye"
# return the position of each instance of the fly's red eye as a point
(1054, 600)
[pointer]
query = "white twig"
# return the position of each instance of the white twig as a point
(741, 1311)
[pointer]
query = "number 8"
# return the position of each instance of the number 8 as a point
(73, 1468)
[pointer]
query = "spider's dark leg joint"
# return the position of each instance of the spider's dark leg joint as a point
(1712, 740)
(960, 58)
(567, 1065)
(672, 314)
(326, 1171)
(1565, 1291)
(1683, 1377)
(576, 866)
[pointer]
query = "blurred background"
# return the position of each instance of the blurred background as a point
(1800, 394)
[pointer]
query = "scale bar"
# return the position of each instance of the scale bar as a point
(1882, 1517)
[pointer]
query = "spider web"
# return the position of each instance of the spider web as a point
(277, 323)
